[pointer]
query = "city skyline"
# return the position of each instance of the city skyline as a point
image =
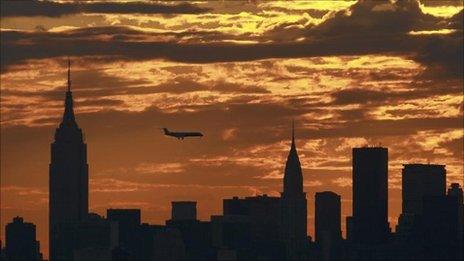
(246, 125)
(256, 227)
(69, 202)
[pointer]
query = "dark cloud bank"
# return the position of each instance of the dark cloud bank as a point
(54, 9)
(371, 27)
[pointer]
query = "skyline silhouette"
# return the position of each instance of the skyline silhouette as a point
(351, 74)
(257, 227)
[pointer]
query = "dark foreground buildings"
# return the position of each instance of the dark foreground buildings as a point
(328, 225)
(128, 221)
(21, 243)
(430, 225)
(252, 228)
(419, 181)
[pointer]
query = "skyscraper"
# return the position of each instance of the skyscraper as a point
(418, 181)
(327, 215)
(21, 243)
(293, 204)
(68, 175)
(184, 210)
(328, 224)
(370, 195)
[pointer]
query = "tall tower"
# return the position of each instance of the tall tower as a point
(370, 195)
(68, 175)
(293, 204)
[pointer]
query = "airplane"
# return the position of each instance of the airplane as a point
(181, 135)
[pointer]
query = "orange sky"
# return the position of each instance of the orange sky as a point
(350, 74)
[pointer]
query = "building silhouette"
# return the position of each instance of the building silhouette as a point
(168, 245)
(439, 231)
(232, 234)
(21, 242)
(146, 242)
(91, 239)
(128, 222)
(236, 206)
(264, 214)
(370, 196)
(184, 210)
(455, 191)
(293, 205)
(256, 222)
(328, 224)
(68, 176)
(349, 228)
(195, 234)
(418, 181)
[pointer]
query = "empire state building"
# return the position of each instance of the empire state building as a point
(68, 176)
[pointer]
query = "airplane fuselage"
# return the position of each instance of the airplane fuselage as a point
(181, 135)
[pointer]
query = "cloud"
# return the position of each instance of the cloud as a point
(98, 87)
(312, 183)
(342, 182)
(24, 191)
(229, 133)
(443, 57)
(379, 128)
(389, 21)
(369, 98)
(384, 27)
(106, 103)
(180, 85)
(369, 18)
(456, 21)
(439, 52)
(153, 169)
(57, 9)
(350, 96)
(455, 146)
(43, 45)
(441, 3)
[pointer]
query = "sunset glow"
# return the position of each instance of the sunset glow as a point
(349, 73)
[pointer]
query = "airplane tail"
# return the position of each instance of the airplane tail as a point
(166, 131)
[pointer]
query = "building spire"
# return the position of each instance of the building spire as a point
(293, 177)
(293, 131)
(293, 135)
(69, 74)
(68, 115)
